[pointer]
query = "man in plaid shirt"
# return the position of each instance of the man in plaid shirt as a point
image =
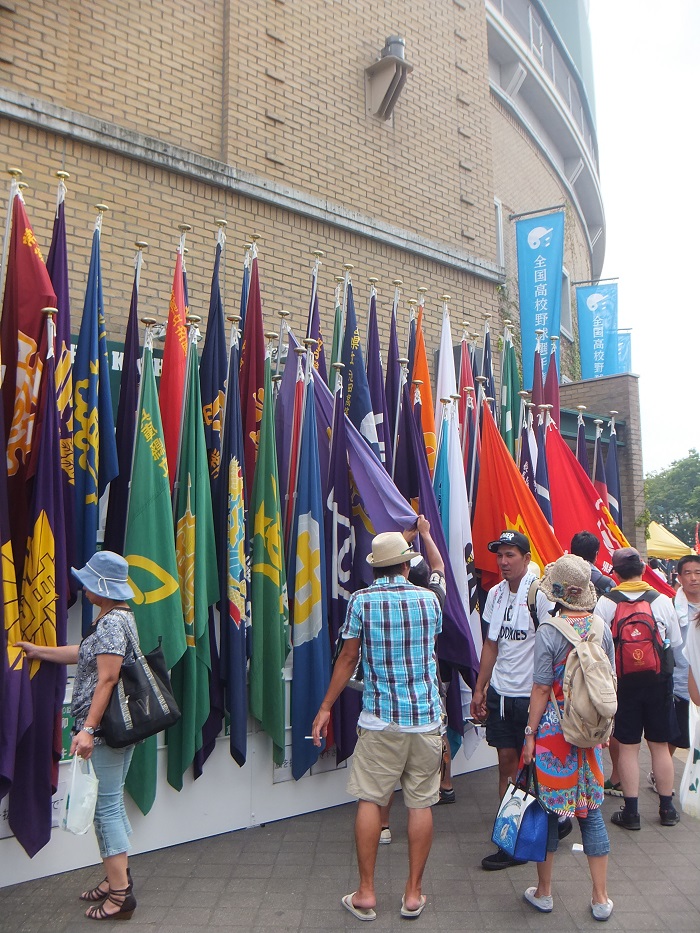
(396, 625)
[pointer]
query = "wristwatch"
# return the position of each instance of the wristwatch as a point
(529, 730)
(88, 729)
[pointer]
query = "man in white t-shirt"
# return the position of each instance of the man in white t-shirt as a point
(507, 663)
(645, 698)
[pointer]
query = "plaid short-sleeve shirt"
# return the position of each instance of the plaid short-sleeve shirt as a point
(397, 623)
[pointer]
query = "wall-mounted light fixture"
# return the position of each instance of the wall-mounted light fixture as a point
(385, 78)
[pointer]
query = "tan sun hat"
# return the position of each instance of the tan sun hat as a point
(567, 581)
(390, 548)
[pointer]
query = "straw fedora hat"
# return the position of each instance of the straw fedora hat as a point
(389, 549)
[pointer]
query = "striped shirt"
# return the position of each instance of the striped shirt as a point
(397, 623)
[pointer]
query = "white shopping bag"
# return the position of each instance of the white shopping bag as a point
(78, 807)
(689, 793)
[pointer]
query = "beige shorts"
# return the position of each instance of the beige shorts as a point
(383, 758)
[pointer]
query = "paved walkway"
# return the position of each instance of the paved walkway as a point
(291, 875)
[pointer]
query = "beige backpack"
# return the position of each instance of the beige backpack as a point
(589, 686)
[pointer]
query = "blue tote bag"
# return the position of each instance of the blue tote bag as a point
(520, 827)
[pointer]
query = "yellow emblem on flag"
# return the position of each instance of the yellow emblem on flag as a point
(9, 598)
(38, 609)
(185, 544)
(168, 583)
(308, 614)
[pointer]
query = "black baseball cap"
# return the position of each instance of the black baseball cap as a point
(512, 538)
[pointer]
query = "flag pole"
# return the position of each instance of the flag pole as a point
(319, 254)
(293, 468)
(149, 323)
(403, 379)
(394, 313)
(15, 174)
(372, 294)
(598, 433)
(233, 319)
(348, 266)
(50, 330)
(283, 315)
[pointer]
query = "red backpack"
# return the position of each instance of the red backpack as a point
(638, 644)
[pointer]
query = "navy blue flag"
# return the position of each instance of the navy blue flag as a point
(212, 383)
(308, 596)
(43, 621)
(581, 447)
(340, 553)
(551, 387)
(612, 478)
(57, 267)
(229, 501)
(392, 384)
(358, 405)
(527, 466)
(94, 444)
(487, 370)
(542, 477)
(314, 330)
(375, 382)
(115, 526)
(245, 287)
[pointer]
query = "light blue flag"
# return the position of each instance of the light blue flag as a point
(624, 351)
(94, 444)
(310, 638)
(540, 244)
(596, 307)
(441, 476)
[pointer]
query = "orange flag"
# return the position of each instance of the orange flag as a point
(421, 371)
(172, 380)
(504, 501)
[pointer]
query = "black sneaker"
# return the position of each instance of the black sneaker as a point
(626, 820)
(499, 860)
(446, 796)
(669, 817)
(565, 827)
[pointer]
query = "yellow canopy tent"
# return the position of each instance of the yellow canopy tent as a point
(661, 543)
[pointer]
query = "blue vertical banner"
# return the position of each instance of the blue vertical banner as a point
(596, 307)
(540, 244)
(624, 351)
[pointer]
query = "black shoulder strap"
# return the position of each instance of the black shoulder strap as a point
(532, 592)
(618, 596)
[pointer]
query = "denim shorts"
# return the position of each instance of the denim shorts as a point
(112, 826)
(594, 835)
(505, 726)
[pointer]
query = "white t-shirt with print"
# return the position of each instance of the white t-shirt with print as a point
(513, 670)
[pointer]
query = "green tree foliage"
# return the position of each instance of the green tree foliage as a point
(673, 496)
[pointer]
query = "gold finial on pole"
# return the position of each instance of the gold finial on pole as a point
(373, 280)
(101, 208)
(319, 254)
(233, 318)
(271, 335)
(523, 393)
(149, 321)
(220, 222)
(339, 279)
(581, 408)
(15, 173)
(255, 237)
(411, 302)
(348, 266)
(49, 311)
(613, 413)
(22, 185)
(422, 290)
(193, 319)
(445, 298)
(184, 228)
(398, 283)
(417, 382)
(309, 342)
(141, 244)
(61, 175)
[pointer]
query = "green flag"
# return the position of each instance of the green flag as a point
(510, 400)
(199, 584)
(268, 584)
(150, 550)
(337, 332)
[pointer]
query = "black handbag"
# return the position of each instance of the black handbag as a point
(142, 702)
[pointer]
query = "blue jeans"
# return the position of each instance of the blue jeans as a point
(112, 826)
(594, 835)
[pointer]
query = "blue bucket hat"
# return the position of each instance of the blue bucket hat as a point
(106, 574)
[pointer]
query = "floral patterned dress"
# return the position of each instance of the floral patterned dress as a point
(570, 778)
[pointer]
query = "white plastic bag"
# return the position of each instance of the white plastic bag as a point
(689, 793)
(78, 807)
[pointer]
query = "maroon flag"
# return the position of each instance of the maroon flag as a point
(551, 387)
(28, 289)
(252, 374)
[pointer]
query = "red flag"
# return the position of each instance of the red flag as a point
(172, 380)
(577, 506)
(504, 501)
(252, 374)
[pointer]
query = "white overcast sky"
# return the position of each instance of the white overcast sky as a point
(647, 76)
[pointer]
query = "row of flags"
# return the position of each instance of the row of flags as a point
(244, 493)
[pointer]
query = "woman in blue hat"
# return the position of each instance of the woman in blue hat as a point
(99, 658)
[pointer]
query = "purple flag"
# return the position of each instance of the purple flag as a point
(455, 645)
(15, 695)
(43, 620)
(375, 382)
(115, 527)
(314, 331)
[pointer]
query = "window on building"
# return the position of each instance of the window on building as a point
(567, 325)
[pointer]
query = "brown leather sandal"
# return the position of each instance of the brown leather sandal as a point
(99, 893)
(121, 898)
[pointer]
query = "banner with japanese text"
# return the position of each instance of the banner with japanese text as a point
(540, 245)
(624, 351)
(597, 328)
